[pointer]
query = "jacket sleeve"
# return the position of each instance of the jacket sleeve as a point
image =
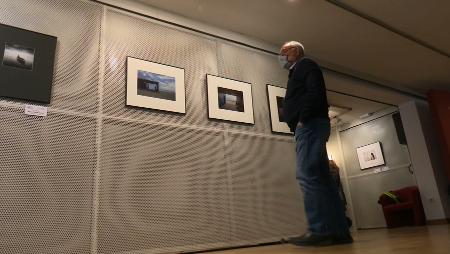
(314, 85)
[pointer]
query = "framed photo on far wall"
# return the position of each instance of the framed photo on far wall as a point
(155, 86)
(229, 100)
(26, 64)
(370, 156)
(275, 96)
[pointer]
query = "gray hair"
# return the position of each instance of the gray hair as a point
(295, 44)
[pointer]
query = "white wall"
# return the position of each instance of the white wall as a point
(424, 153)
(365, 186)
(424, 150)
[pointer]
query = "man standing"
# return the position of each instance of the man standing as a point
(306, 113)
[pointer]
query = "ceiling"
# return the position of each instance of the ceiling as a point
(403, 43)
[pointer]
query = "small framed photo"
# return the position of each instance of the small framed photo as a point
(229, 100)
(275, 96)
(370, 156)
(26, 64)
(155, 86)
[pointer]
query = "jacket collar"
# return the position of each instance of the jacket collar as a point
(293, 67)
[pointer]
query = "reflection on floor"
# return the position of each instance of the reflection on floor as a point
(420, 240)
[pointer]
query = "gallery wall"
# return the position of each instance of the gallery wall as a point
(97, 176)
(48, 164)
(421, 155)
(366, 185)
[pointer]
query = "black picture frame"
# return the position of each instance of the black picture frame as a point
(26, 64)
(176, 106)
(211, 105)
(275, 123)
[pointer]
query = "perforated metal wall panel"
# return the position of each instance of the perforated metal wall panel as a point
(267, 203)
(161, 186)
(46, 166)
(97, 176)
(77, 25)
(137, 37)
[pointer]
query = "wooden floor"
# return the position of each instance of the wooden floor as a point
(420, 240)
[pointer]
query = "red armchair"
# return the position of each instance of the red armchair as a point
(407, 212)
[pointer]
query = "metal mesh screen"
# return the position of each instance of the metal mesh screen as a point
(77, 25)
(267, 203)
(161, 187)
(46, 185)
(98, 176)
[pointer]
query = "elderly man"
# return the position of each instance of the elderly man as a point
(306, 113)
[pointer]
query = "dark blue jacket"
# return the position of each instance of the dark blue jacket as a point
(306, 96)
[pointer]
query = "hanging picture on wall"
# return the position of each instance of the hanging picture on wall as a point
(229, 100)
(275, 96)
(155, 86)
(26, 64)
(370, 156)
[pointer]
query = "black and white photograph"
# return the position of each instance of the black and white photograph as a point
(275, 97)
(26, 64)
(229, 100)
(370, 156)
(280, 102)
(155, 86)
(18, 56)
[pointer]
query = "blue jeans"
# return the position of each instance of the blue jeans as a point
(323, 206)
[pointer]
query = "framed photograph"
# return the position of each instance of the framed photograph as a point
(26, 64)
(275, 96)
(229, 100)
(370, 156)
(155, 86)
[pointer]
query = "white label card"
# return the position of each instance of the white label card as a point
(34, 110)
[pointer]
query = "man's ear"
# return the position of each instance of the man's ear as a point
(299, 52)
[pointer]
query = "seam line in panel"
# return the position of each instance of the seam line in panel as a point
(231, 213)
(95, 199)
(200, 128)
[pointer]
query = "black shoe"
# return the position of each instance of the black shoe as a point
(310, 239)
(347, 239)
(349, 222)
